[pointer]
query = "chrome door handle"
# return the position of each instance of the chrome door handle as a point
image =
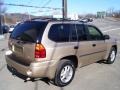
(75, 47)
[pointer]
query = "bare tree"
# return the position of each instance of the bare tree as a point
(117, 14)
(110, 12)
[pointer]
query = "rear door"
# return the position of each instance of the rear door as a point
(64, 34)
(84, 46)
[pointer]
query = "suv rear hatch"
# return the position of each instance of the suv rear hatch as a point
(23, 40)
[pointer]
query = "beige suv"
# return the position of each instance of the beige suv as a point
(55, 48)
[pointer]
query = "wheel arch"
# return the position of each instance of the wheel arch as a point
(72, 58)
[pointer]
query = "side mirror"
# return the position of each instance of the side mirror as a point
(106, 37)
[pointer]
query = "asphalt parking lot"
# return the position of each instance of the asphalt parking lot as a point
(92, 77)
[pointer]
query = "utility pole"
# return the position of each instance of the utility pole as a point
(64, 9)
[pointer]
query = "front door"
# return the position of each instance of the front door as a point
(92, 46)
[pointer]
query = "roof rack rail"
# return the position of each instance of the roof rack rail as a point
(42, 18)
(57, 19)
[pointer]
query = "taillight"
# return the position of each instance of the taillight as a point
(40, 51)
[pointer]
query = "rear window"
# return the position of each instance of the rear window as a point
(29, 31)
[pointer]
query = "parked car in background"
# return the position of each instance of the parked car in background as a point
(5, 29)
(86, 20)
(90, 19)
(11, 28)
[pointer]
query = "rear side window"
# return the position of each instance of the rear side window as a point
(59, 33)
(29, 31)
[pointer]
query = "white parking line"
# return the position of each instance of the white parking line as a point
(112, 30)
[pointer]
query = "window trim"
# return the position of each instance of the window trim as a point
(74, 25)
(85, 31)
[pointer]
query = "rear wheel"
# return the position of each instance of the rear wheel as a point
(65, 73)
(112, 56)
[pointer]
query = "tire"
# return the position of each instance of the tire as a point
(63, 78)
(112, 56)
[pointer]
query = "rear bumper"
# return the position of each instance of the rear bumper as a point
(36, 69)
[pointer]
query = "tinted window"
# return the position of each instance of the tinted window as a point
(94, 33)
(59, 33)
(29, 31)
(81, 32)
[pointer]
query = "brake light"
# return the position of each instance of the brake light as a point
(40, 51)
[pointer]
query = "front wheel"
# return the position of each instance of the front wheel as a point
(112, 56)
(65, 73)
